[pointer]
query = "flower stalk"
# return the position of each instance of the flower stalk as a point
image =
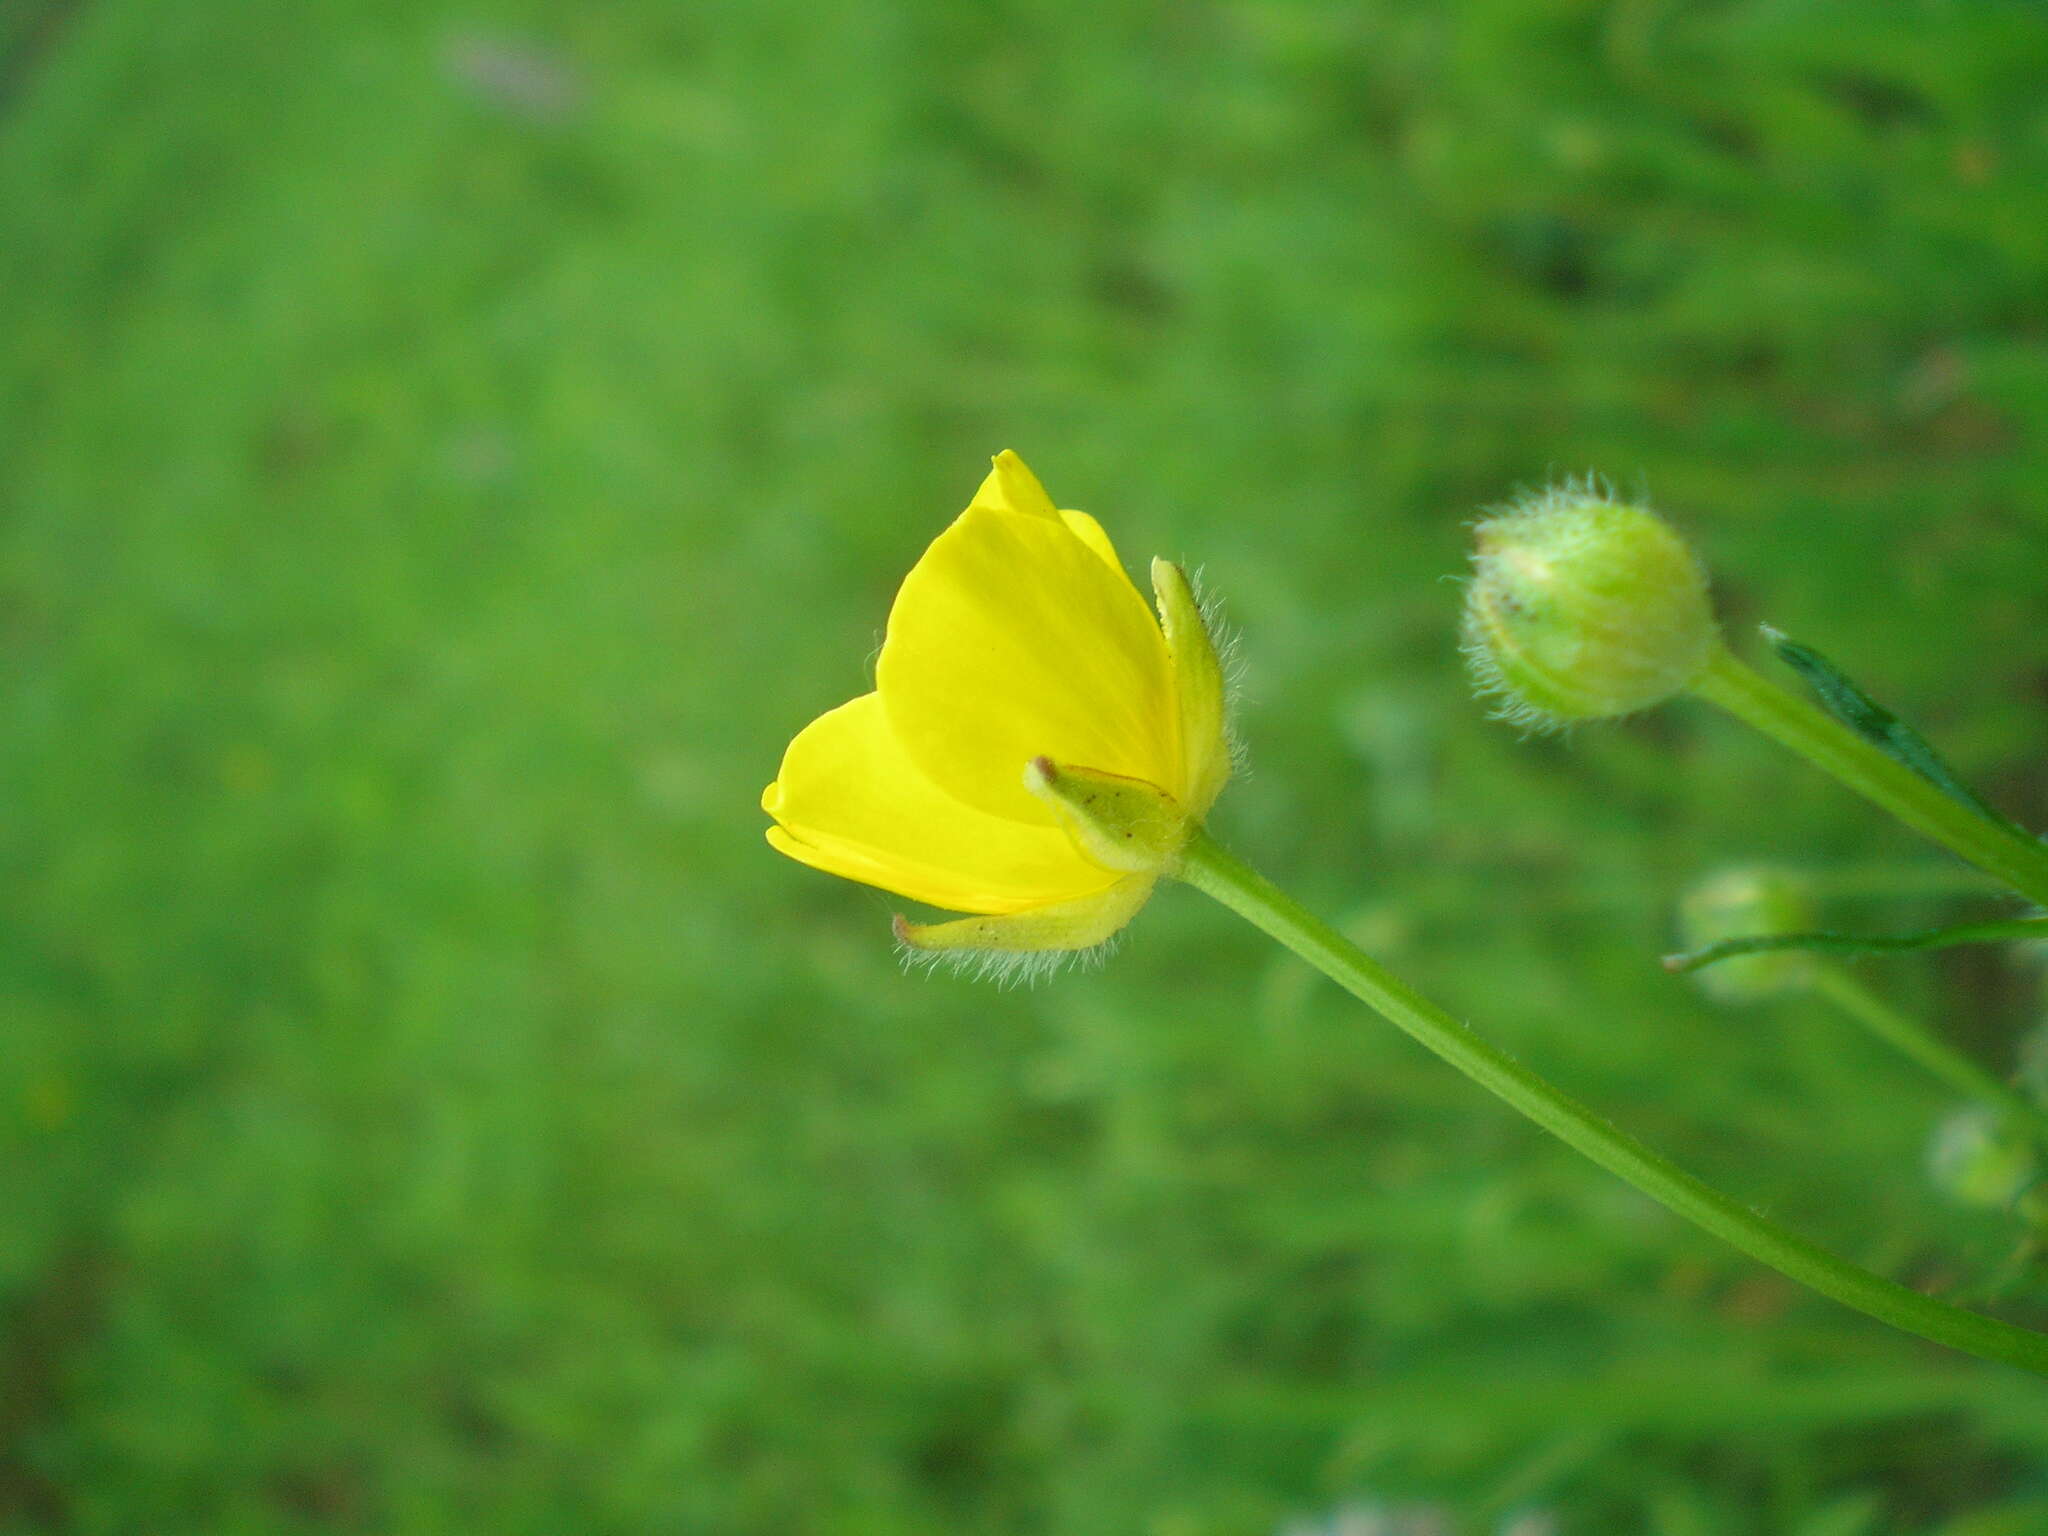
(1209, 868)
(1914, 1040)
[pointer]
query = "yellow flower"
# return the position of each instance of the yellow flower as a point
(1038, 746)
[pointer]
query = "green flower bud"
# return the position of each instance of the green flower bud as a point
(1581, 608)
(1976, 1158)
(1742, 904)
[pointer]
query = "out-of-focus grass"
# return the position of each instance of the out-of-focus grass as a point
(445, 453)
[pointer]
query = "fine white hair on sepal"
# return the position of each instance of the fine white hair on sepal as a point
(1225, 641)
(1007, 968)
(1533, 500)
(1493, 689)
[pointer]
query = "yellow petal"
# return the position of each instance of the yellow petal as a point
(852, 803)
(1011, 487)
(1089, 532)
(1198, 683)
(1013, 639)
(1079, 924)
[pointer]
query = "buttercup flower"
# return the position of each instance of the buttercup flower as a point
(1038, 745)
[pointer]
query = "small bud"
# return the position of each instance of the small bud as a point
(1976, 1158)
(1582, 608)
(1742, 904)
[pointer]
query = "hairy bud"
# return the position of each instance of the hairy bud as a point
(1581, 608)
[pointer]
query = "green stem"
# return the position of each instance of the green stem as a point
(1910, 1037)
(1208, 868)
(2009, 856)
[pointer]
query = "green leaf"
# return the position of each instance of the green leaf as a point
(1986, 932)
(1876, 724)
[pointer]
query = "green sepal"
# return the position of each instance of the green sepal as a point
(1082, 923)
(1121, 823)
(1199, 684)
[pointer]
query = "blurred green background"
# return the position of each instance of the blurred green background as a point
(446, 451)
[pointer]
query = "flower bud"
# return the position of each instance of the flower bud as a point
(1976, 1158)
(1742, 904)
(1582, 608)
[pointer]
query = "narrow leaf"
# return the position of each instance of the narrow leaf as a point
(1863, 944)
(1874, 723)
